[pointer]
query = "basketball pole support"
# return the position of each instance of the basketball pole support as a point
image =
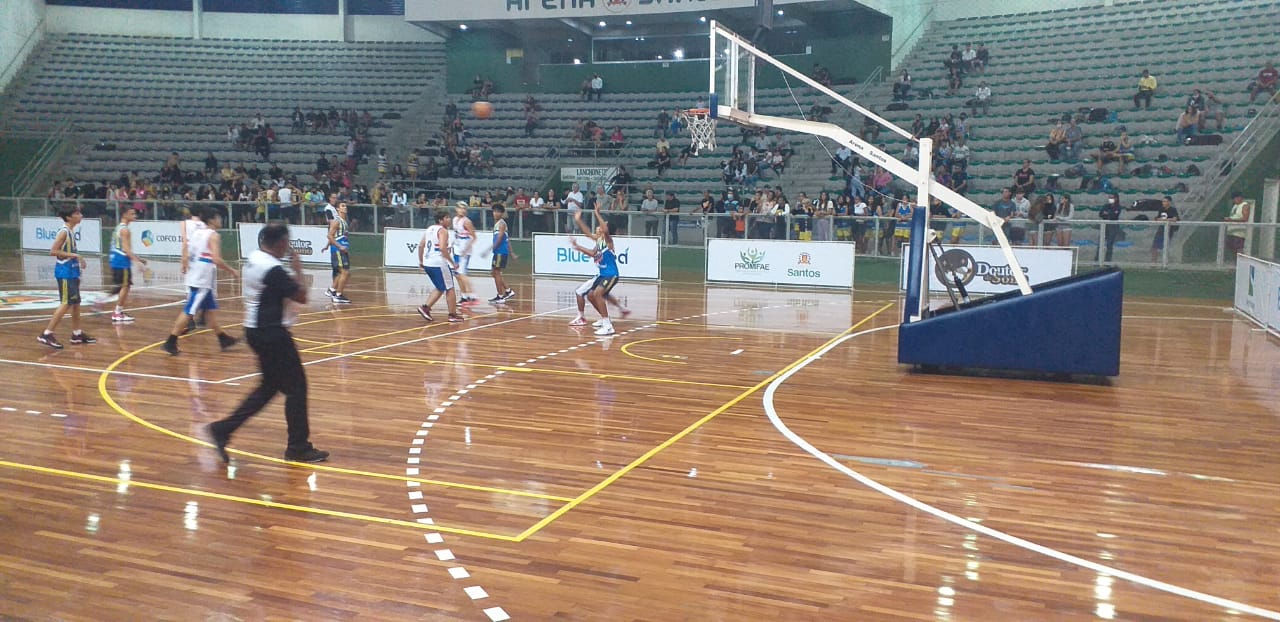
(1068, 326)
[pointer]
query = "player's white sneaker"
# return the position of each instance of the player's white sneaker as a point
(605, 331)
(578, 321)
(597, 324)
(121, 318)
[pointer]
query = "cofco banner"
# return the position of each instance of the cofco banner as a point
(156, 238)
(638, 257)
(307, 241)
(983, 269)
(38, 234)
(400, 248)
(781, 262)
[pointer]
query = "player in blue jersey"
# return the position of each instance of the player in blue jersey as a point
(339, 255)
(122, 259)
(607, 259)
(501, 254)
(597, 239)
(67, 272)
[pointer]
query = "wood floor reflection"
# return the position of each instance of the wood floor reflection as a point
(512, 466)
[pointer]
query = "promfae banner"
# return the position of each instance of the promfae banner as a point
(781, 262)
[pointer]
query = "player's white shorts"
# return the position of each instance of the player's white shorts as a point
(585, 287)
(463, 262)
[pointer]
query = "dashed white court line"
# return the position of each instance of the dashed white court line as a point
(772, 413)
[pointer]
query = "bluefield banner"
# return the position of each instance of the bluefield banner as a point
(638, 257)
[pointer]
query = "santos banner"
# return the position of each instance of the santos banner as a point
(1258, 291)
(781, 262)
(638, 257)
(983, 269)
(38, 234)
(307, 241)
(156, 238)
(400, 248)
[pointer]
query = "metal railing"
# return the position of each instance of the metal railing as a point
(50, 150)
(1135, 243)
(1231, 162)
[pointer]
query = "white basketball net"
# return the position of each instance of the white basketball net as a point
(702, 128)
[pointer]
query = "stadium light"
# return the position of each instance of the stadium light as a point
(678, 54)
(603, 24)
(780, 13)
(462, 26)
(628, 22)
(577, 61)
(703, 19)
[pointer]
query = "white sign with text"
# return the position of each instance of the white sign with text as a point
(781, 262)
(638, 257)
(400, 248)
(156, 238)
(983, 269)
(38, 234)
(307, 241)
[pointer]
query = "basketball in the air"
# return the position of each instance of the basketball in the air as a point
(482, 110)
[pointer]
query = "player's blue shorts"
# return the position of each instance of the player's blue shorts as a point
(199, 299)
(441, 278)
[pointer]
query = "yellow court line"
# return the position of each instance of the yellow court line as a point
(550, 518)
(381, 335)
(114, 481)
(106, 397)
(318, 343)
(563, 372)
(636, 343)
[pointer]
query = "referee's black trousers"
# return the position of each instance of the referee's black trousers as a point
(282, 372)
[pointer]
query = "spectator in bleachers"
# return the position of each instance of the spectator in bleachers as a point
(982, 59)
(1266, 81)
(649, 207)
(1187, 123)
(821, 75)
(1024, 179)
(1110, 233)
(1167, 214)
(969, 57)
(981, 99)
(960, 153)
(210, 165)
(1215, 109)
(664, 122)
(450, 111)
(842, 160)
(531, 120)
(818, 112)
(1146, 90)
(1057, 138)
(596, 88)
(663, 161)
(870, 128)
(1074, 141)
(902, 86)
(621, 180)
(1109, 151)
(955, 80)
(671, 208)
(1195, 100)
(917, 126)
(1240, 213)
(955, 59)
(1004, 209)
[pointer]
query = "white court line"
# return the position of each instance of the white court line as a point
(800, 442)
(27, 319)
(95, 370)
(405, 343)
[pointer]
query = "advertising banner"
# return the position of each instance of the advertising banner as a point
(156, 238)
(1257, 293)
(587, 177)
(638, 257)
(38, 234)
(983, 269)
(781, 262)
(307, 241)
(400, 249)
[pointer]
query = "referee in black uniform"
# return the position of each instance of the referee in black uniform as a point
(267, 290)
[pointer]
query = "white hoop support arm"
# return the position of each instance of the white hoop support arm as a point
(895, 166)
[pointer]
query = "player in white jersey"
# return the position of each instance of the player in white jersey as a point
(581, 293)
(189, 226)
(464, 239)
(203, 250)
(435, 257)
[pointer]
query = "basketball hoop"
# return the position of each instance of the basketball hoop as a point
(702, 128)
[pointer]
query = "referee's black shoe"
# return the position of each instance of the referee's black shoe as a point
(309, 455)
(219, 440)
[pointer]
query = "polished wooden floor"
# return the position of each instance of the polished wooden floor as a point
(511, 467)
